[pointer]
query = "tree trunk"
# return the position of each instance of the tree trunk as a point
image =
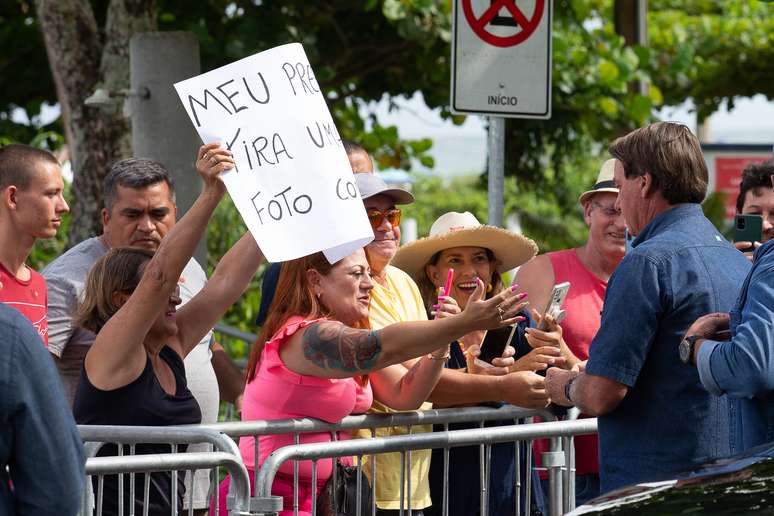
(81, 62)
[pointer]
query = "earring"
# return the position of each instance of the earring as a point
(489, 287)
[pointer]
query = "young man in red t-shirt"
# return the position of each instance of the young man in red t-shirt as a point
(31, 207)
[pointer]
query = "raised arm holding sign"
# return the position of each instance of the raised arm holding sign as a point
(292, 182)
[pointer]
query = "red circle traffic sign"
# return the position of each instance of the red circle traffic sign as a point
(527, 24)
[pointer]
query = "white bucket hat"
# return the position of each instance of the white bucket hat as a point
(455, 229)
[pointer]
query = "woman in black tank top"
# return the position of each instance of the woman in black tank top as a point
(133, 374)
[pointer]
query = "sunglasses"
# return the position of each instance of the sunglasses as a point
(609, 211)
(376, 217)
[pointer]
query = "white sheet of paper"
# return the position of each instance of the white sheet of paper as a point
(292, 184)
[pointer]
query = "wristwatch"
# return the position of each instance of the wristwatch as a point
(686, 348)
(567, 387)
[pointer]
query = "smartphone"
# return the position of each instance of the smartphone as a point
(748, 228)
(495, 342)
(554, 305)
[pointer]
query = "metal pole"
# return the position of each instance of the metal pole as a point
(161, 129)
(496, 145)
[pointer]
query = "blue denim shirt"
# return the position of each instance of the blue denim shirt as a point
(744, 367)
(679, 269)
(38, 439)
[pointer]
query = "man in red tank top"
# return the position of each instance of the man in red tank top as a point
(31, 207)
(587, 268)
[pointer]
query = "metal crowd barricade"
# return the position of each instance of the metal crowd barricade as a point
(296, 427)
(101, 466)
(96, 436)
(557, 461)
(263, 500)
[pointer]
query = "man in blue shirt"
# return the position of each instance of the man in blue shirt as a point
(39, 443)
(742, 367)
(655, 418)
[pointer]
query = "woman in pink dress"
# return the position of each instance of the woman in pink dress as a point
(316, 350)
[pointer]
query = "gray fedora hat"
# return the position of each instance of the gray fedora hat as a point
(371, 184)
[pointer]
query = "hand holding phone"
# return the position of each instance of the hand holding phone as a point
(495, 342)
(748, 228)
(554, 305)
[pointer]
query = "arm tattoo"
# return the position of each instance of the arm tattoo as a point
(333, 345)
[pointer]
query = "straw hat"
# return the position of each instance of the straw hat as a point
(464, 230)
(604, 182)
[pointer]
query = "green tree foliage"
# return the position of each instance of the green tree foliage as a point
(711, 51)
(592, 99)
(552, 225)
(225, 228)
(26, 83)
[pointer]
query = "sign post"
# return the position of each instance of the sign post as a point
(501, 67)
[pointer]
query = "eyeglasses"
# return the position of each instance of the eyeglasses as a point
(376, 217)
(608, 211)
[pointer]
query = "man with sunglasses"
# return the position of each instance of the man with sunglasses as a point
(587, 268)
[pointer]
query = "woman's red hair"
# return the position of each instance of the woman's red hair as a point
(294, 296)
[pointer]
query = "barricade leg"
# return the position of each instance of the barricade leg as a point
(373, 477)
(528, 480)
(553, 462)
(446, 457)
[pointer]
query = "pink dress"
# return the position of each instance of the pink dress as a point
(276, 392)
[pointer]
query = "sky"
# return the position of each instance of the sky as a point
(460, 150)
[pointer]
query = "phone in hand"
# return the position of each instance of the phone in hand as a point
(748, 228)
(495, 342)
(554, 305)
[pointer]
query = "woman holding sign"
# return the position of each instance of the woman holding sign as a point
(133, 374)
(461, 248)
(316, 351)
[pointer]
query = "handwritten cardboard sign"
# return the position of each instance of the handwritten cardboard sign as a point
(292, 184)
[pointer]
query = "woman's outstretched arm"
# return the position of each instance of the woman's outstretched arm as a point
(229, 281)
(331, 349)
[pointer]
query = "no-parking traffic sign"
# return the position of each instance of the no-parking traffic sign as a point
(501, 58)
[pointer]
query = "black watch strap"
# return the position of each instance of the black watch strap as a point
(688, 348)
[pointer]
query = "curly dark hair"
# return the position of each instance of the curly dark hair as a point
(754, 175)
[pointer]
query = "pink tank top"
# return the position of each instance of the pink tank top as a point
(583, 306)
(276, 392)
(583, 303)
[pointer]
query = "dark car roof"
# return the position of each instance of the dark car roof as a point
(742, 484)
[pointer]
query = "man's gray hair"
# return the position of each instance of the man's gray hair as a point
(134, 173)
